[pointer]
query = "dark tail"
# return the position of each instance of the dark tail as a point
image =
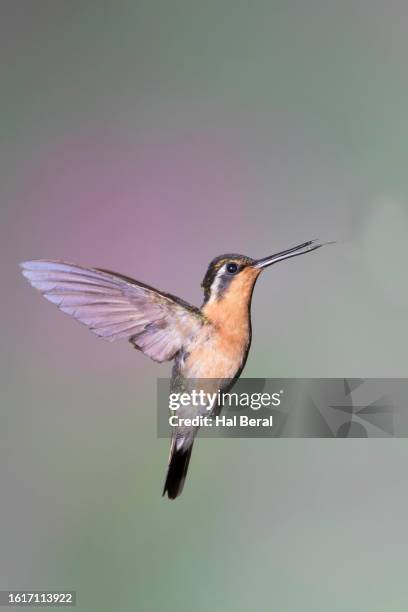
(177, 470)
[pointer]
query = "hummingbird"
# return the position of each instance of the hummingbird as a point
(211, 342)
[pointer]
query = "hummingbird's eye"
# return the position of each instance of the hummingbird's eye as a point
(232, 268)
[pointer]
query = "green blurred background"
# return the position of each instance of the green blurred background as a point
(148, 137)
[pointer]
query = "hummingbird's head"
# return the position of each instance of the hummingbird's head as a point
(222, 272)
(236, 274)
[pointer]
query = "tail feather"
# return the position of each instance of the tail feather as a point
(177, 470)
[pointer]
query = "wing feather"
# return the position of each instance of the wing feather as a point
(116, 307)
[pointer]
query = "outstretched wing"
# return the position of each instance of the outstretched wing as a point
(116, 307)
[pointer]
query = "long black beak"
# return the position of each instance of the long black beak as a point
(300, 249)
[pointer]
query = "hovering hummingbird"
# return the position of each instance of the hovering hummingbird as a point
(211, 342)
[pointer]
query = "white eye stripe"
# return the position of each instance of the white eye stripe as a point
(216, 283)
(220, 278)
